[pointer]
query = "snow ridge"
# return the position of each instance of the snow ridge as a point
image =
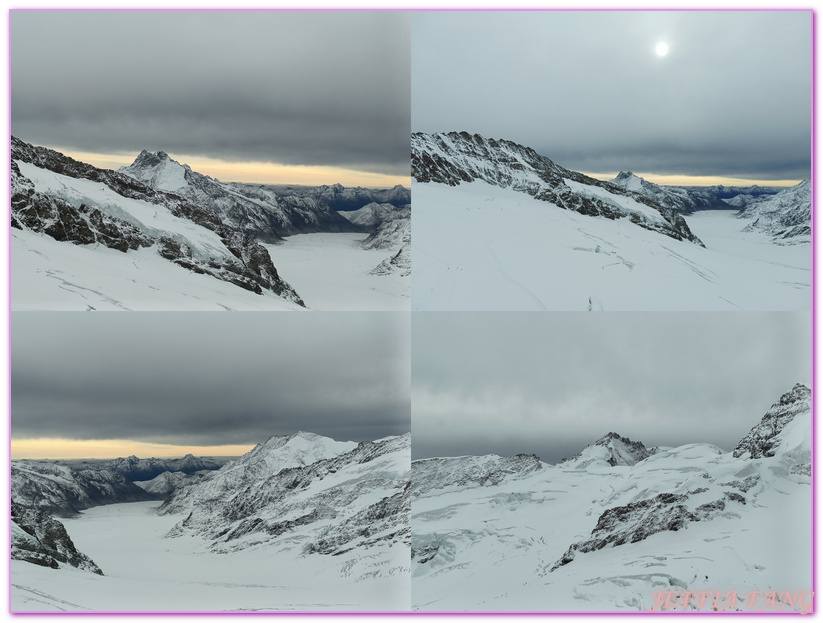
(305, 493)
(74, 202)
(454, 158)
(252, 209)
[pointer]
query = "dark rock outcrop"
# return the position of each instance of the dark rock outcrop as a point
(41, 540)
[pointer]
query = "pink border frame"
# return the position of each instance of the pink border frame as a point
(562, 613)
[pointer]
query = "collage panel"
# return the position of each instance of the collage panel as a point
(609, 160)
(273, 469)
(611, 462)
(451, 430)
(220, 160)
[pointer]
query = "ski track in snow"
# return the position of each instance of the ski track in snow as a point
(481, 247)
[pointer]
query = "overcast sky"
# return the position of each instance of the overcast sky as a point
(550, 384)
(731, 98)
(310, 88)
(209, 378)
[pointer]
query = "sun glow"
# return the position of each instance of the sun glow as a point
(662, 48)
(40, 449)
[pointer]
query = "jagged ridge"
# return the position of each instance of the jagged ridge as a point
(456, 157)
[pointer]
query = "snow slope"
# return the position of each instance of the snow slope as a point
(600, 537)
(146, 572)
(478, 246)
(786, 216)
(69, 219)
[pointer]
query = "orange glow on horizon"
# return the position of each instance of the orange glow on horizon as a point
(49, 448)
(255, 172)
(697, 180)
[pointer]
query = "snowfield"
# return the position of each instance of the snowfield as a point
(57, 276)
(478, 246)
(331, 272)
(146, 572)
(597, 535)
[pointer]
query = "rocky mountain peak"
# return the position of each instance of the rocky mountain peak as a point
(612, 449)
(763, 439)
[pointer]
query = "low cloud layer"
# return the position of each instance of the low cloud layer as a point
(550, 384)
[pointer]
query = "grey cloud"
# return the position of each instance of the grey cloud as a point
(553, 383)
(312, 88)
(209, 378)
(733, 97)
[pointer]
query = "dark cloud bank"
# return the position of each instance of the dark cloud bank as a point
(209, 379)
(311, 88)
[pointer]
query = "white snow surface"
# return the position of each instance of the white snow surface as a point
(481, 247)
(56, 276)
(146, 572)
(332, 272)
(493, 547)
(176, 562)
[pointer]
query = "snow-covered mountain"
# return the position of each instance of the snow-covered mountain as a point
(458, 157)
(786, 217)
(765, 439)
(63, 492)
(370, 215)
(253, 209)
(611, 450)
(167, 241)
(166, 483)
(606, 537)
(307, 494)
(42, 540)
(679, 198)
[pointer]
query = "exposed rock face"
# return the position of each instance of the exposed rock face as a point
(454, 158)
(634, 522)
(78, 220)
(58, 219)
(253, 210)
(763, 439)
(60, 491)
(786, 216)
(41, 540)
(470, 471)
(303, 491)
